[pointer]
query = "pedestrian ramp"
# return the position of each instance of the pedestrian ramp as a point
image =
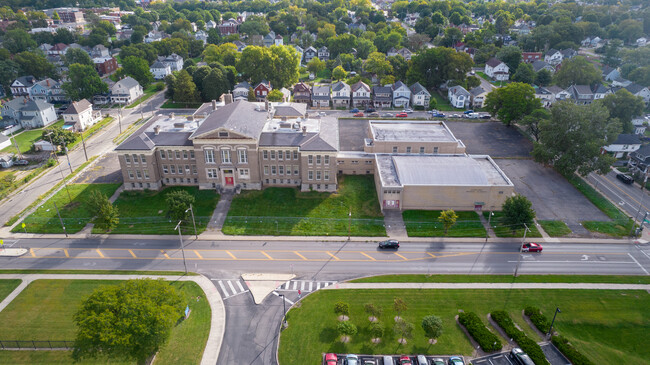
(230, 288)
(304, 286)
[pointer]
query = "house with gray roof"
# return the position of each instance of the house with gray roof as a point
(360, 94)
(610, 73)
(80, 115)
(320, 96)
(28, 113)
(623, 145)
(125, 91)
(401, 95)
(477, 97)
(382, 96)
(420, 96)
(581, 94)
(240, 91)
(542, 65)
(160, 70)
(638, 90)
(22, 85)
(341, 94)
(458, 97)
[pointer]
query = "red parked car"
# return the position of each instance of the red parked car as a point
(531, 247)
(359, 114)
(401, 115)
(330, 359)
(404, 360)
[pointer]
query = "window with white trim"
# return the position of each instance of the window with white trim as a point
(408, 149)
(421, 149)
(326, 159)
(187, 169)
(192, 155)
(280, 170)
(184, 155)
(317, 159)
(194, 170)
(435, 149)
(310, 175)
(143, 159)
(135, 159)
(317, 174)
(127, 159)
(273, 169)
(178, 155)
(165, 169)
(295, 154)
(287, 155)
(242, 155)
(163, 155)
(212, 173)
(395, 149)
(326, 175)
(265, 154)
(172, 168)
(130, 172)
(295, 169)
(225, 156)
(146, 174)
(244, 173)
(280, 155)
(310, 159)
(272, 155)
(138, 174)
(266, 170)
(209, 156)
(170, 154)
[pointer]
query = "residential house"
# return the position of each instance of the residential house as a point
(99, 51)
(581, 94)
(420, 96)
(302, 93)
(299, 51)
(228, 27)
(405, 52)
(286, 95)
(391, 52)
(240, 91)
(22, 85)
(202, 36)
(458, 97)
(360, 94)
(530, 57)
(356, 25)
(542, 65)
(568, 53)
(401, 95)
(210, 24)
(639, 161)
(48, 90)
(269, 39)
(600, 91)
(323, 54)
(160, 70)
(382, 96)
(125, 91)
(154, 36)
(320, 96)
(477, 97)
(641, 42)
(80, 115)
(590, 42)
(641, 124)
(610, 73)
(174, 61)
(559, 93)
(497, 70)
(309, 54)
(262, 90)
(28, 113)
(553, 57)
(341, 94)
(240, 45)
(278, 41)
(6, 160)
(545, 96)
(623, 145)
(58, 49)
(638, 90)
(619, 82)
(105, 65)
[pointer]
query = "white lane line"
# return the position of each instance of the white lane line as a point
(223, 289)
(642, 268)
(285, 298)
(574, 262)
(295, 285)
(232, 287)
(302, 285)
(310, 285)
(286, 285)
(241, 288)
(232, 296)
(643, 252)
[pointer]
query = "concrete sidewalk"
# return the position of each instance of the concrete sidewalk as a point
(589, 286)
(217, 322)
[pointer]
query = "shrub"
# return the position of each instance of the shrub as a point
(569, 351)
(376, 330)
(539, 320)
(160, 86)
(488, 341)
(502, 318)
(346, 329)
(373, 310)
(432, 326)
(342, 308)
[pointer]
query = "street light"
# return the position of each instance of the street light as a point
(521, 248)
(193, 221)
(350, 223)
(180, 236)
(284, 309)
(487, 232)
(550, 330)
(60, 169)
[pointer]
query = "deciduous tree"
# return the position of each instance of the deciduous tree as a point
(185, 89)
(377, 64)
(624, 106)
(77, 55)
(178, 202)
(512, 102)
(339, 73)
(448, 219)
(577, 71)
(432, 326)
(524, 73)
(403, 330)
(275, 95)
(517, 211)
(137, 68)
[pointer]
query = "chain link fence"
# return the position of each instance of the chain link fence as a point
(36, 345)
(303, 226)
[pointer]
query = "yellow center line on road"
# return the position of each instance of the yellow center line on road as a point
(100, 253)
(267, 255)
(301, 256)
(622, 191)
(331, 254)
(198, 254)
(65, 251)
(132, 254)
(368, 256)
(231, 255)
(398, 255)
(31, 251)
(164, 253)
(432, 255)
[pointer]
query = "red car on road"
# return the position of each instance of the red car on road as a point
(330, 359)
(401, 115)
(531, 247)
(359, 114)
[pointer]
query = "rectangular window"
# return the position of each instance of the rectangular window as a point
(280, 170)
(295, 169)
(317, 174)
(327, 160)
(172, 168)
(266, 170)
(244, 173)
(165, 169)
(178, 155)
(127, 158)
(162, 154)
(209, 156)
(130, 172)
(138, 173)
(395, 149)
(180, 169)
(143, 159)
(287, 155)
(170, 154)
(212, 173)
(146, 174)
(192, 154)
(194, 170)
(280, 156)
(421, 149)
(435, 149)
(272, 155)
(326, 175)
(185, 155)
(317, 159)
(223, 134)
(265, 154)
(273, 170)
(310, 175)
(187, 169)
(295, 155)
(408, 149)
(225, 156)
(242, 155)
(135, 158)
(310, 159)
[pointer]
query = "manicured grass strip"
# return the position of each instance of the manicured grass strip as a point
(145, 212)
(7, 286)
(148, 92)
(171, 105)
(423, 278)
(442, 103)
(608, 326)
(555, 228)
(502, 230)
(488, 341)
(425, 223)
(502, 318)
(287, 211)
(75, 213)
(98, 272)
(51, 358)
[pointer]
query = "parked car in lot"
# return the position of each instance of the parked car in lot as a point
(625, 178)
(422, 360)
(21, 162)
(354, 110)
(437, 361)
(468, 111)
(369, 362)
(520, 357)
(330, 359)
(351, 359)
(405, 360)
(455, 360)
(407, 110)
(401, 115)
(486, 116)
(373, 114)
(531, 247)
(370, 110)
(359, 114)
(387, 115)
(389, 244)
(473, 115)
(388, 360)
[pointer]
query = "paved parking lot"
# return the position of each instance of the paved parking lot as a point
(553, 197)
(379, 360)
(351, 134)
(104, 171)
(491, 138)
(553, 356)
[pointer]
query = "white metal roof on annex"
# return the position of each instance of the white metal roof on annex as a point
(399, 131)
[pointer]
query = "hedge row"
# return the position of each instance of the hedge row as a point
(570, 352)
(488, 341)
(502, 318)
(539, 320)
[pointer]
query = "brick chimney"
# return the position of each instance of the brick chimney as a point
(48, 82)
(214, 105)
(156, 130)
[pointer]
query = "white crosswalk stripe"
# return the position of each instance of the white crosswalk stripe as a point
(304, 285)
(230, 288)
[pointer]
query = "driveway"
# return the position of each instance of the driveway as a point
(491, 138)
(104, 171)
(553, 197)
(351, 134)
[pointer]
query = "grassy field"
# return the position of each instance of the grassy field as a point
(287, 211)
(424, 223)
(145, 212)
(607, 326)
(442, 103)
(502, 230)
(7, 286)
(44, 310)
(147, 93)
(555, 228)
(422, 278)
(25, 141)
(91, 131)
(75, 213)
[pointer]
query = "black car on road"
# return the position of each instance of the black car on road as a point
(389, 244)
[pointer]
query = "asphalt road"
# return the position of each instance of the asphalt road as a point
(629, 198)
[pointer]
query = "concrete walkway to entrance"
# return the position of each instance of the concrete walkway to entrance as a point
(394, 224)
(217, 322)
(221, 211)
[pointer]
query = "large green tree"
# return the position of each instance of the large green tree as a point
(35, 64)
(435, 66)
(524, 73)
(83, 82)
(512, 102)
(178, 202)
(285, 66)
(624, 106)
(517, 210)
(137, 68)
(106, 215)
(577, 71)
(18, 40)
(77, 55)
(214, 85)
(378, 64)
(572, 139)
(129, 321)
(511, 56)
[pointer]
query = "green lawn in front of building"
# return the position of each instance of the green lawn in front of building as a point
(425, 223)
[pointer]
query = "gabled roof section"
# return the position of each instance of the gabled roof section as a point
(634, 88)
(140, 142)
(623, 139)
(477, 91)
(240, 116)
(77, 107)
(127, 82)
(493, 62)
(340, 85)
(359, 85)
(418, 88)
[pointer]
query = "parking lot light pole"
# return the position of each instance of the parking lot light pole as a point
(645, 180)
(550, 330)
(521, 248)
(193, 221)
(180, 237)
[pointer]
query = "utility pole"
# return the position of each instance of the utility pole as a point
(487, 232)
(119, 117)
(350, 223)
(193, 221)
(180, 237)
(49, 135)
(521, 247)
(65, 149)
(16, 144)
(645, 179)
(60, 220)
(83, 143)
